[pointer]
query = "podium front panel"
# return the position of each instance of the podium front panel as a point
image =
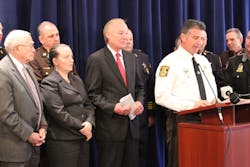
(213, 146)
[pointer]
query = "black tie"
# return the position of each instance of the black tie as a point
(199, 80)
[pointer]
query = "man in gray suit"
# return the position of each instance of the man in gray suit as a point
(111, 74)
(22, 123)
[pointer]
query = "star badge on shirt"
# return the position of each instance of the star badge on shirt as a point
(186, 72)
(240, 68)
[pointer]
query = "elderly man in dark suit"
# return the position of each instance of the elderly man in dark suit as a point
(110, 75)
(22, 123)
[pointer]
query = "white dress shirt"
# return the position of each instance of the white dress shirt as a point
(176, 86)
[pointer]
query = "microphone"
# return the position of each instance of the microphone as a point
(227, 92)
(216, 100)
(235, 97)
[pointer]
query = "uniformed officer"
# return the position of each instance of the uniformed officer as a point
(239, 70)
(2, 50)
(234, 40)
(177, 87)
(48, 35)
(147, 117)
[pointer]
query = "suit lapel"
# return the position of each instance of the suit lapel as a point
(127, 63)
(112, 64)
(19, 77)
(63, 83)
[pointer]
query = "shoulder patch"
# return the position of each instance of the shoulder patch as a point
(164, 71)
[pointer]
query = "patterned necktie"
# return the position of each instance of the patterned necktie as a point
(32, 87)
(121, 68)
(199, 80)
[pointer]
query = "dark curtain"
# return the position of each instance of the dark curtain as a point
(155, 23)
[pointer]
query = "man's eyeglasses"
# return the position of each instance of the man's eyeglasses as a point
(30, 46)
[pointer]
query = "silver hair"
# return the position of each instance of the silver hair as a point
(15, 38)
(236, 30)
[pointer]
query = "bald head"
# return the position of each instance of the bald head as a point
(115, 33)
(48, 34)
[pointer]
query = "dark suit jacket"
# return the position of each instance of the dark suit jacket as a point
(67, 106)
(18, 113)
(105, 87)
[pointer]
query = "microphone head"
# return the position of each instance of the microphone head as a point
(234, 98)
(226, 91)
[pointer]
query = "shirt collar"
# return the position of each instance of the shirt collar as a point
(113, 51)
(18, 64)
(186, 53)
(244, 57)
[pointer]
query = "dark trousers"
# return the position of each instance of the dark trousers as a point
(118, 153)
(32, 162)
(43, 157)
(73, 153)
(143, 146)
(172, 138)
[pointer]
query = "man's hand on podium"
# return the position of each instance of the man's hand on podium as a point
(203, 103)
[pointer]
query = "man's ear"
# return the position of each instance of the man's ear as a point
(40, 39)
(182, 37)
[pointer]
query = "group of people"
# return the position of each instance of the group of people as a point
(61, 97)
(192, 77)
(47, 104)
(45, 101)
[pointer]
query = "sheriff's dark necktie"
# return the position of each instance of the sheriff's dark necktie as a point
(199, 80)
(121, 68)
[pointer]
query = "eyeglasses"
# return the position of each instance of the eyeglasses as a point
(30, 46)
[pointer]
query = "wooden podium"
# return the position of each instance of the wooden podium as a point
(213, 144)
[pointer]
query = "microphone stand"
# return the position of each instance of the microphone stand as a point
(216, 100)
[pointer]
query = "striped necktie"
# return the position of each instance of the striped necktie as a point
(32, 87)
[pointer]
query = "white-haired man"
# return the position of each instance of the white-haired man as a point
(22, 123)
